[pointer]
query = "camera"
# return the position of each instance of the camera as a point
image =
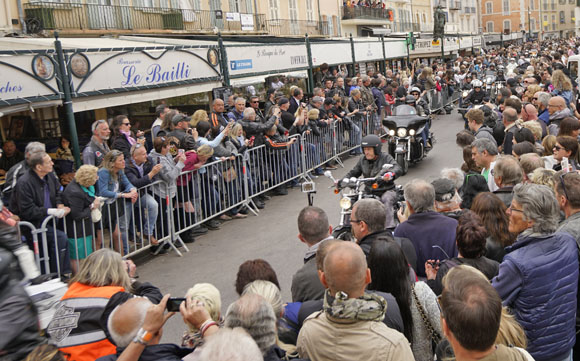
(173, 304)
(434, 264)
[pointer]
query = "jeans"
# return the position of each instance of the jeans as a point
(425, 134)
(147, 210)
(57, 241)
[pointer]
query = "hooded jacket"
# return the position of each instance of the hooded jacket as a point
(372, 168)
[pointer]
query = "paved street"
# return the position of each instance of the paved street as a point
(216, 256)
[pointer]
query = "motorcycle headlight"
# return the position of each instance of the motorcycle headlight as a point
(345, 203)
(391, 132)
(412, 132)
(465, 93)
(402, 132)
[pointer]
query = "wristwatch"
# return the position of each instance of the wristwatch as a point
(143, 337)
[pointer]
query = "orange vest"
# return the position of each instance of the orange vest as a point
(75, 327)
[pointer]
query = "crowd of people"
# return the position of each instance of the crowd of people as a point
(480, 264)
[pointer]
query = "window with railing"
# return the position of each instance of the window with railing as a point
(553, 5)
(507, 26)
(274, 9)
(489, 26)
(562, 17)
(309, 11)
(562, 2)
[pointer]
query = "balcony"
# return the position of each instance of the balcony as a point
(289, 27)
(361, 12)
(75, 18)
(454, 5)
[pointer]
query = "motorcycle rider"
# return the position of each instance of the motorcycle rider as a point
(477, 95)
(422, 108)
(371, 165)
(467, 83)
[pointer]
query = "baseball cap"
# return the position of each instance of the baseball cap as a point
(444, 189)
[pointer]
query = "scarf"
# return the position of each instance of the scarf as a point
(368, 307)
(127, 135)
(90, 190)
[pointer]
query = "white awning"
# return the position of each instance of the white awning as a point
(29, 106)
(241, 82)
(113, 100)
(378, 30)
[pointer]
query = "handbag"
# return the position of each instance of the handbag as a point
(435, 337)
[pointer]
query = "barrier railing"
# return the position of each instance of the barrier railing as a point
(166, 212)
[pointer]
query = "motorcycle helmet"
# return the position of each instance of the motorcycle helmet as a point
(409, 99)
(372, 141)
(415, 90)
(477, 83)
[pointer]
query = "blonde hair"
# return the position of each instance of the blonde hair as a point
(313, 114)
(86, 175)
(544, 177)
(510, 331)
(548, 143)
(205, 151)
(103, 268)
(109, 162)
(534, 127)
(211, 298)
(233, 133)
(532, 89)
(561, 81)
(200, 115)
(269, 291)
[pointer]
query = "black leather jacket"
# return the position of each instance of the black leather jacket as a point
(371, 168)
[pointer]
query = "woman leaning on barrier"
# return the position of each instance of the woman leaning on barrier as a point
(114, 185)
(80, 196)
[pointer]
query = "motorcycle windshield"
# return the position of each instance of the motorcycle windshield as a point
(404, 110)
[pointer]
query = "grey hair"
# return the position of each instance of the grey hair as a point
(230, 345)
(123, 340)
(456, 175)
(269, 291)
(531, 162)
(313, 224)
(508, 168)
(240, 99)
(248, 112)
(34, 147)
(420, 194)
(485, 144)
(539, 205)
(35, 159)
(372, 212)
(255, 315)
(317, 99)
(543, 98)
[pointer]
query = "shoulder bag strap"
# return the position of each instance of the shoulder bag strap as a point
(434, 335)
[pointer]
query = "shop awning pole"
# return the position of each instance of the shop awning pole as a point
(68, 108)
(310, 82)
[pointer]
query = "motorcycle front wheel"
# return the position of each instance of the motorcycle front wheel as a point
(403, 162)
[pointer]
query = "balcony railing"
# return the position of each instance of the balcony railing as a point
(83, 17)
(362, 12)
(285, 27)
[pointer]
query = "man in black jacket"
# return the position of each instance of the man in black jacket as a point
(368, 223)
(37, 196)
(140, 173)
(372, 164)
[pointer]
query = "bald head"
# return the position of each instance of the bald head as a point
(510, 115)
(556, 104)
(529, 112)
(126, 320)
(345, 269)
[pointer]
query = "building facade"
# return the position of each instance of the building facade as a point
(251, 17)
(508, 16)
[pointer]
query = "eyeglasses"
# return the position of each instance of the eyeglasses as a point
(563, 184)
(512, 209)
(558, 148)
(254, 102)
(125, 123)
(355, 220)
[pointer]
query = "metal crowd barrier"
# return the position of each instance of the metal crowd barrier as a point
(169, 211)
(440, 99)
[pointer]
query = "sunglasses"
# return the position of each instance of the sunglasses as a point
(564, 185)
(558, 148)
(125, 123)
